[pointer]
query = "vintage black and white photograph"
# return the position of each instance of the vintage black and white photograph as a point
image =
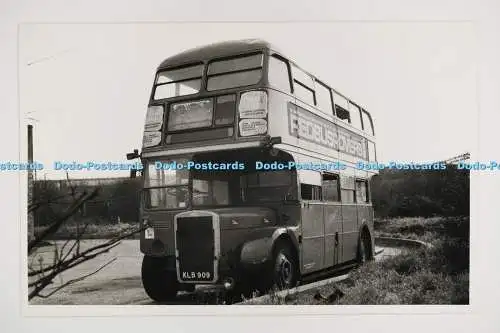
(262, 163)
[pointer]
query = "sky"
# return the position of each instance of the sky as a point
(87, 85)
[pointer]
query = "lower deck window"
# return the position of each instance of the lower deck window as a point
(347, 196)
(361, 191)
(267, 186)
(310, 192)
(330, 184)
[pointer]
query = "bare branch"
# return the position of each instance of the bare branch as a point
(76, 280)
(106, 246)
(43, 282)
(63, 266)
(76, 241)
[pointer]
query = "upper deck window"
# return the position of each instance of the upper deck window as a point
(367, 123)
(178, 82)
(324, 98)
(303, 85)
(234, 72)
(372, 156)
(278, 74)
(355, 115)
(341, 107)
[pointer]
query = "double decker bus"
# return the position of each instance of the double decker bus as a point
(250, 173)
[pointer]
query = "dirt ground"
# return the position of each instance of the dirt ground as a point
(120, 282)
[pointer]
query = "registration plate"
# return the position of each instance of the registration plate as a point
(196, 276)
(149, 233)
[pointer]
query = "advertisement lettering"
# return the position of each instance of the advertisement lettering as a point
(307, 126)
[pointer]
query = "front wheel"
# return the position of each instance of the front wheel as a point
(160, 284)
(285, 267)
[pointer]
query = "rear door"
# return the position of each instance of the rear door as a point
(332, 212)
(349, 218)
(312, 228)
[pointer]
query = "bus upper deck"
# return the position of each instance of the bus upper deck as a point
(238, 94)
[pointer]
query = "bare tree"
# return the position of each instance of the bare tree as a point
(67, 254)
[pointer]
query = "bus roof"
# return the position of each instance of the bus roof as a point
(216, 50)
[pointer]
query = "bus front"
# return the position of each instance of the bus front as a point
(210, 214)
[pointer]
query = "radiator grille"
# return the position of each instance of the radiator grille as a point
(195, 241)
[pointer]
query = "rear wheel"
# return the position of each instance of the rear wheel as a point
(364, 248)
(160, 284)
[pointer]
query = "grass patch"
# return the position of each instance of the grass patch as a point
(101, 230)
(424, 276)
(428, 230)
(439, 275)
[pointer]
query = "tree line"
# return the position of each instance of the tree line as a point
(394, 193)
(421, 192)
(117, 201)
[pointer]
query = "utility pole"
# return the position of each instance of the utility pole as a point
(31, 185)
(31, 172)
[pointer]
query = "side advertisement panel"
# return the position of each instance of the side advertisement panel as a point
(305, 125)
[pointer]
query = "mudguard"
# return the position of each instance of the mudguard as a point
(260, 250)
(256, 251)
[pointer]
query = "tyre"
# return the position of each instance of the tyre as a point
(285, 268)
(160, 284)
(364, 248)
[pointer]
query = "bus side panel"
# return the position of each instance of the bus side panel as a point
(312, 237)
(278, 121)
(333, 226)
(349, 232)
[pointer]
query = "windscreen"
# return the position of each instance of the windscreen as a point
(210, 191)
(166, 186)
